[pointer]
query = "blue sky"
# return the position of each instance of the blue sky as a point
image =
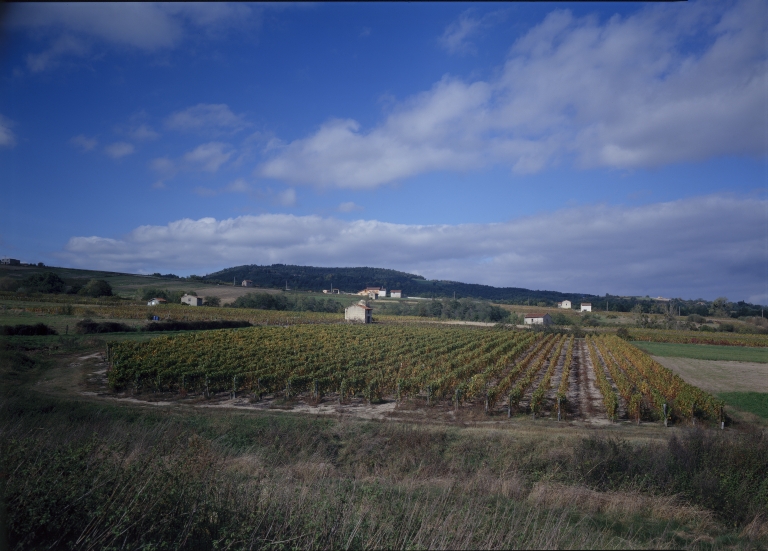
(603, 148)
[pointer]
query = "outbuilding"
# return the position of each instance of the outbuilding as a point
(396, 293)
(192, 300)
(10, 261)
(156, 301)
(538, 319)
(247, 283)
(586, 306)
(360, 312)
(564, 304)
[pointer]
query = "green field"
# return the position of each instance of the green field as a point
(705, 351)
(753, 402)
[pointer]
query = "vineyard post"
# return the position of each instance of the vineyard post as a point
(558, 408)
(665, 415)
(486, 401)
(509, 406)
(398, 392)
(429, 395)
(234, 387)
(722, 419)
(315, 391)
(457, 397)
(207, 393)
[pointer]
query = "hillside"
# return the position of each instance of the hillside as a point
(310, 278)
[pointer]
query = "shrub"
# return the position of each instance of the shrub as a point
(47, 282)
(88, 327)
(28, 330)
(96, 288)
(212, 301)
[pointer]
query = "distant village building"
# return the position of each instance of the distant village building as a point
(373, 292)
(10, 261)
(396, 294)
(247, 283)
(358, 312)
(538, 319)
(192, 300)
(662, 299)
(564, 304)
(331, 291)
(586, 306)
(156, 301)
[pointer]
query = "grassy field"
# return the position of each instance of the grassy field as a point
(85, 472)
(753, 402)
(705, 351)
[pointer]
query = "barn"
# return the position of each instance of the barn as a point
(192, 300)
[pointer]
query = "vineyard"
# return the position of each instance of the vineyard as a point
(699, 337)
(501, 371)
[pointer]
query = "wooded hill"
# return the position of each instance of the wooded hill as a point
(310, 278)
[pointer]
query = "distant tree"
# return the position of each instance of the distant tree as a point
(96, 288)
(47, 282)
(212, 301)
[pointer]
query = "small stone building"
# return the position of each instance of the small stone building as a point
(586, 306)
(359, 312)
(192, 300)
(396, 293)
(10, 261)
(247, 283)
(538, 319)
(564, 304)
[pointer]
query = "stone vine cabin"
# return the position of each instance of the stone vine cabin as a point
(358, 312)
(192, 300)
(586, 306)
(564, 304)
(538, 319)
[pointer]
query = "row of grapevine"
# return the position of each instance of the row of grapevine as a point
(663, 386)
(537, 397)
(405, 360)
(527, 378)
(627, 389)
(610, 399)
(699, 337)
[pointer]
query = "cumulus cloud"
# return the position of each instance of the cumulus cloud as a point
(119, 149)
(704, 246)
(7, 137)
(349, 206)
(143, 132)
(209, 156)
(630, 92)
(148, 27)
(163, 166)
(83, 143)
(456, 37)
(286, 198)
(204, 117)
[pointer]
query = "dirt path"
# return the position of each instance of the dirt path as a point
(592, 399)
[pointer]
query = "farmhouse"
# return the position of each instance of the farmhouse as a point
(358, 312)
(538, 319)
(192, 300)
(586, 306)
(564, 304)
(10, 261)
(373, 292)
(396, 294)
(247, 283)
(156, 301)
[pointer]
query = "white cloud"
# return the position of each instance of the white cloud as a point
(348, 207)
(84, 143)
(164, 166)
(119, 149)
(705, 246)
(7, 137)
(286, 198)
(238, 186)
(148, 27)
(626, 93)
(216, 118)
(456, 37)
(143, 132)
(209, 156)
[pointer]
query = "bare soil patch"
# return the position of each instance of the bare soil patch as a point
(718, 375)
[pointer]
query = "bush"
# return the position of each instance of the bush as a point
(623, 333)
(195, 325)
(88, 327)
(212, 301)
(695, 318)
(47, 282)
(28, 330)
(96, 288)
